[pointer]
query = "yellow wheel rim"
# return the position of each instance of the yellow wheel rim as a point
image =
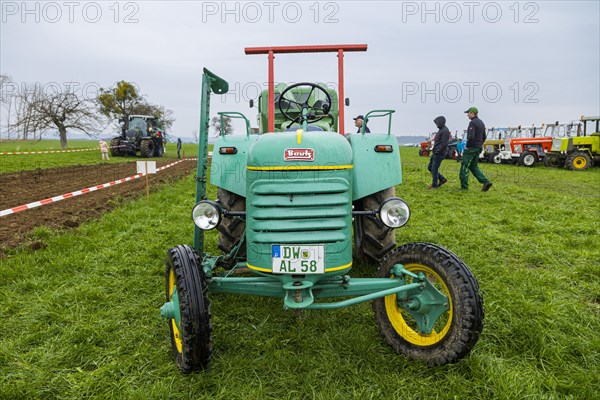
(579, 162)
(406, 326)
(176, 332)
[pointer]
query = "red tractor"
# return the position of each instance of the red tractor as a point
(524, 146)
(426, 146)
(529, 151)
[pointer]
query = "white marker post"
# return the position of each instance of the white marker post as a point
(146, 167)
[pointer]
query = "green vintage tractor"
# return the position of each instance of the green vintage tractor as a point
(292, 201)
(574, 149)
(140, 133)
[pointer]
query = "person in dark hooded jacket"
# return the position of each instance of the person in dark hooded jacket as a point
(438, 153)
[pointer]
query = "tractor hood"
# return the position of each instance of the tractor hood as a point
(311, 150)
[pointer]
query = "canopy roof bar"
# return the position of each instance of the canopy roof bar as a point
(272, 50)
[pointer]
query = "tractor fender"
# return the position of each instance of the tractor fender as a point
(374, 171)
(584, 148)
(228, 171)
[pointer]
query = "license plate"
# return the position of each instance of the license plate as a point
(298, 259)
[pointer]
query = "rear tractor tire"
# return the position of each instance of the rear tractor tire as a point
(231, 229)
(191, 341)
(147, 148)
(159, 149)
(553, 160)
(578, 161)
(457, 329)
(115, 147)
(372, 238)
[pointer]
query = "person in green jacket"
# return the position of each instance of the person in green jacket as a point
(475, 138)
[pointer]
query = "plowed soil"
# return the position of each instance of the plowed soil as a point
(28, 186)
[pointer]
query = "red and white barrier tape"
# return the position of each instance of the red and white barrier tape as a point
(82, 191)
(52, 151)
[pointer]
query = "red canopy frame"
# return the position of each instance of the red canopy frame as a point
(339, 48)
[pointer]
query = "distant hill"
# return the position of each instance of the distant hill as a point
(410, 140)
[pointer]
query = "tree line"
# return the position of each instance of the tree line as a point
(34, 110)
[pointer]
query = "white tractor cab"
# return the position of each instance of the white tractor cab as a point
(564, 130)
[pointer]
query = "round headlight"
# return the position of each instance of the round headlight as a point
(206, 214)
(394, 212)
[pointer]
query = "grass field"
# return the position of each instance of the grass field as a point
(80, 318)
(17, 162)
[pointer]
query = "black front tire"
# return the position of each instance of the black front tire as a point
(456, 331)
(147, 148)
(372, 238)
(191, 341)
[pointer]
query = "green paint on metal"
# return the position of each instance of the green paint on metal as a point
(378, 114)
(364, 298)
(210, 82)
(234, 115)
(294, 200)
(425, 303)
(228, 171)
(170, 310)
(367, 160)
(302, 292)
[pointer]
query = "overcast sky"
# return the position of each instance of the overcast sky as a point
(518, 62)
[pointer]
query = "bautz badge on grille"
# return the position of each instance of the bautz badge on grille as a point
(298, 154)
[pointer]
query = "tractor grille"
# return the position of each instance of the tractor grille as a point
(300, 211)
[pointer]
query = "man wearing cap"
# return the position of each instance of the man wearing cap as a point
(358, 122)
(475, 138)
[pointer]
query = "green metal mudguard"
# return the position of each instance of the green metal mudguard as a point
(374, 171)
(228, 171)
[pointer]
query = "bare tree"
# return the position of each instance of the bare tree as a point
(215, 122)
(40, 111)
(7, 99)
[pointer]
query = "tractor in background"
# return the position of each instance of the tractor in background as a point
(494, 143)
(524, 146)
(426, 146)
(139, 133)
(577, 145)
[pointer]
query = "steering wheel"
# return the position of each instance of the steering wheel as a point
(312, 109)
